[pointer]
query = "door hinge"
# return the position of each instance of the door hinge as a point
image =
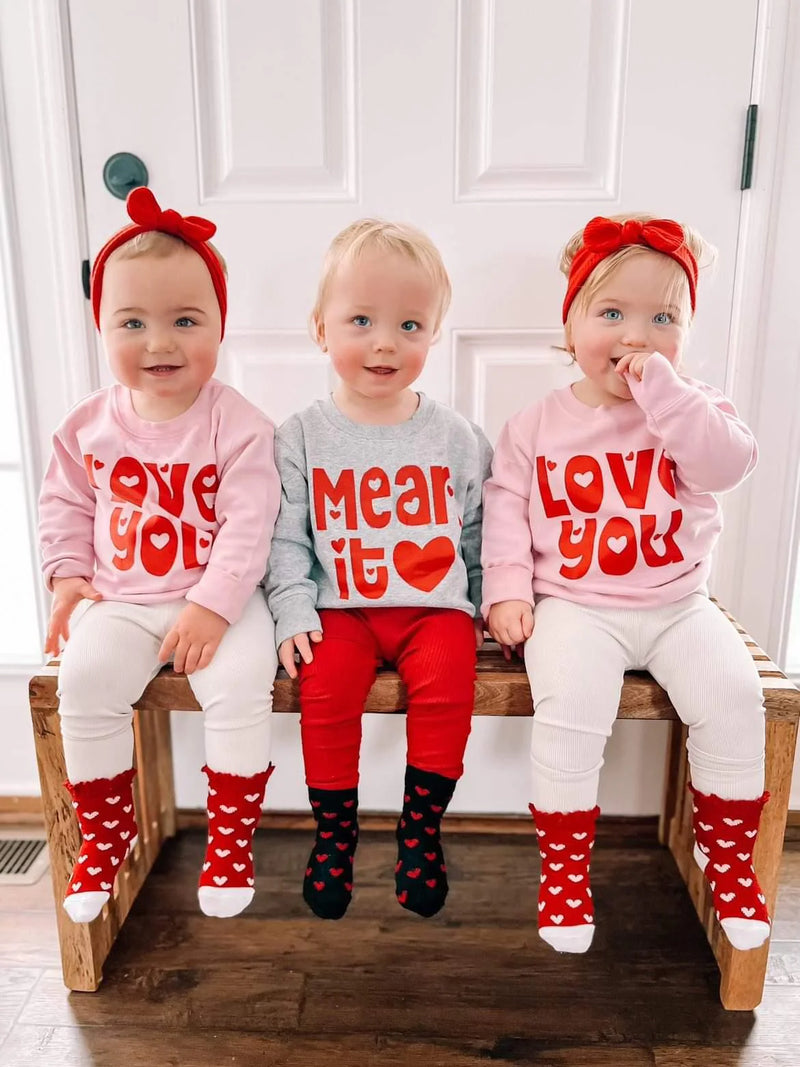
(749, 146)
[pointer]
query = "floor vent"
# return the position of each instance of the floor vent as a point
(23, 858)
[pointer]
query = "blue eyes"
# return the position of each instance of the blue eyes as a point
(662, 318)
(409, 326)
(137, 324)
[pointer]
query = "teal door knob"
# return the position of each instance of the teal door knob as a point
(122, 173)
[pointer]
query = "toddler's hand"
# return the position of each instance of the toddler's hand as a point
(301, 642)
(193, 639)
(510, 623)
(633, 363)
(479, 635)
(67, 594)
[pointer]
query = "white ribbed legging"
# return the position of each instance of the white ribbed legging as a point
(112, 654)
(575, 661)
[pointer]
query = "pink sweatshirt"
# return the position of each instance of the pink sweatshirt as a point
(155, 511)
(612, 506)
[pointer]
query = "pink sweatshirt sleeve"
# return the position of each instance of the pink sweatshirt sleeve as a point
(712, 448)
(507, 555)
(246, 505)
(66, 513)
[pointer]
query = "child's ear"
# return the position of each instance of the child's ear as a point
(319, 331)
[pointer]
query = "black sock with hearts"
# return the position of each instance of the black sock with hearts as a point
(328, 882)
(421, 873)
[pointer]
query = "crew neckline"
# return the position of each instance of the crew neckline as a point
(373, 432)
(140, 427)
(619, 413)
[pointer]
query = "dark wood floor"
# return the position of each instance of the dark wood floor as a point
(473, 986)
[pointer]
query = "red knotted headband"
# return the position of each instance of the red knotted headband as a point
(147, 216)
(603, 236)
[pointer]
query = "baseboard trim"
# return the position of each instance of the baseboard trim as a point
(26, 811)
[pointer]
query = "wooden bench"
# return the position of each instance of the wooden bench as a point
(501, 689)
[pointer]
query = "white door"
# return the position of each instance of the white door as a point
(500, 127)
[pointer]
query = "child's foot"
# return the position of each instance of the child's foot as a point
(725, 834)
(566, 909)
(328, 881)
(104, 807)
(227, 881)
(420, 873)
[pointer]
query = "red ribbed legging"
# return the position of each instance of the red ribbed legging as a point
(434, 653)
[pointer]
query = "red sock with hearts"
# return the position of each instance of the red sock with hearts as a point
(726, 833)
(420, 874)
(566, 909)
(104, 807)
(328, 881)
(227, 881)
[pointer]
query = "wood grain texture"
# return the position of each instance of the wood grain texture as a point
(475, 985)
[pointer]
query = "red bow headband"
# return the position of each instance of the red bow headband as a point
(603, 236)
(147, 216)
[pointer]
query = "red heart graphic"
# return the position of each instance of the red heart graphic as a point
(431, 882)
(411, 842)
(319, 886)
(99, 464)
(336, 871)
(403, 897)
(308, 871)
(315, 803)
(430, 856)
(437, 808)
(430, 829)
(551, 464)
(348, 886)
(329, 814)
(349, 803)
(321, 857)
(326, 833)
(629, 456)
(338, 544)
(415, 815)
(443, 867)
(415, 873)
(334, 514)
(406, 798)
(204, 542)
(420, 791)
(402, 824)
(342, 845)
(423, 568)
(397, 866)
(347, 823)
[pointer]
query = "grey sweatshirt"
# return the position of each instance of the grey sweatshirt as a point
(376, 516)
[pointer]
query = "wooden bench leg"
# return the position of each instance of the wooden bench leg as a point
(742, 973)
(85, 946)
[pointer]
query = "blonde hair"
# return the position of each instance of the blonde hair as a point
(390, 238)
(159, 245)
(677, 289)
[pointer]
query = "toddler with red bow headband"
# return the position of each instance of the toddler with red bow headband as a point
(599, 522)
(156, 515)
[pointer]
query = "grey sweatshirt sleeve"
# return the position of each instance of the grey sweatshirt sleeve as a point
(289, 587)
(473, 519)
